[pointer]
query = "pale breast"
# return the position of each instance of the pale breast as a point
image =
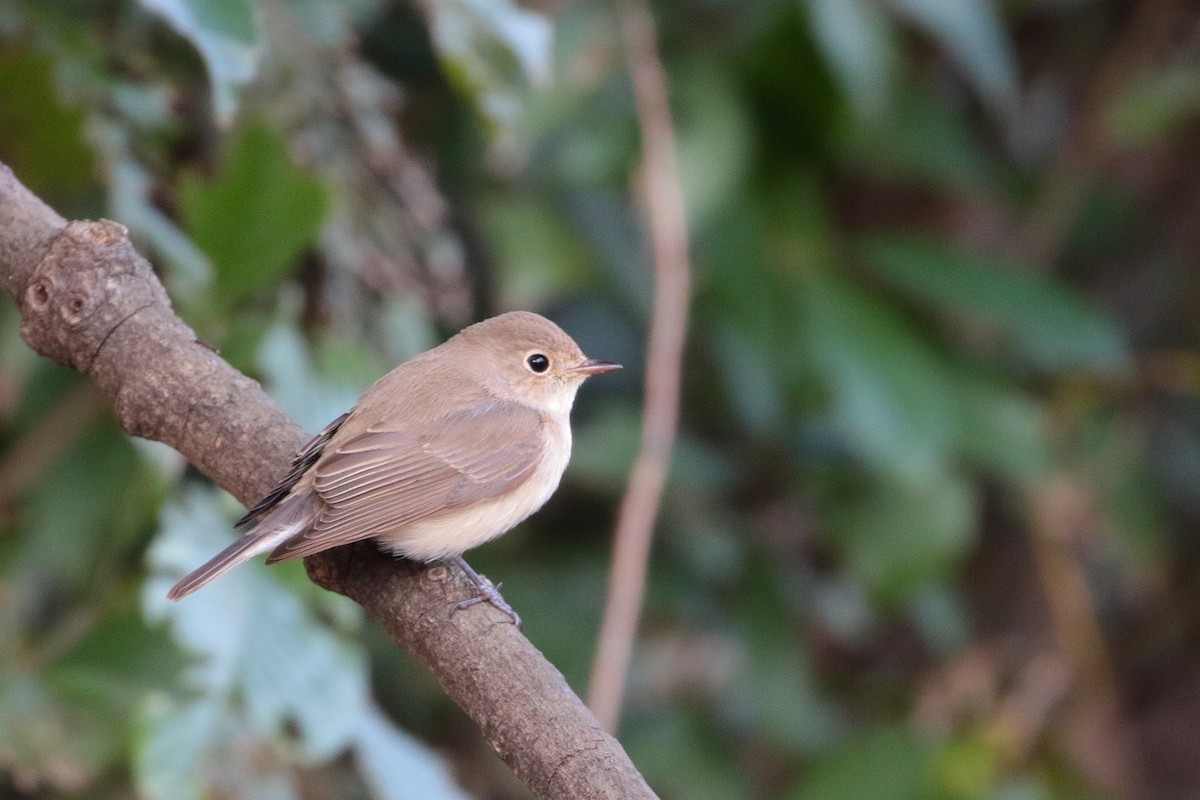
(455, 532)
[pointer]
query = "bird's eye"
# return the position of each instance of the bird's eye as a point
(538, 363)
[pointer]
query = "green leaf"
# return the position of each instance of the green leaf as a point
(118, 662)
(46, 740)
(751, 378)
(903, 537)
(79, 520)
(927, 142)
(784, 697)
(973, 34)
(888, 763)
(1154, 106)
(942, 619)
(256, 217)
(539, 258)
(1049, 322)
(479, 41)
(660, 742)
(1003, 430)
(778, 691)
(889, 391)
(857, 40)
(40, 140)
(605, 448)
(222, 31)
(711, 115)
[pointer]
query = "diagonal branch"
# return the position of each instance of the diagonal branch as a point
(90, 301)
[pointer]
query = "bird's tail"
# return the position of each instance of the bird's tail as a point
(289, 518)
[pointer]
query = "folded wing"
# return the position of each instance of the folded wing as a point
(390, 476)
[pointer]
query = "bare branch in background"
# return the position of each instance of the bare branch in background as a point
(663, 195)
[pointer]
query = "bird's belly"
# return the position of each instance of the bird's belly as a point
(458, 530)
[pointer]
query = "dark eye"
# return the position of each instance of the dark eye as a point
(538, 363)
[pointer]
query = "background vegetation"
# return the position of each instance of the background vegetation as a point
(930, 528)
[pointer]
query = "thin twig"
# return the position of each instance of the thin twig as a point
(663, 196)
(1061, 511)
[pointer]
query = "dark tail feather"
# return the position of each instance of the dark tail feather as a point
(290, 517)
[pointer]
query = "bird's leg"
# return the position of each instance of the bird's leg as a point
(488, 592)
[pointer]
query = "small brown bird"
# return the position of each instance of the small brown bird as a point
(448, 450)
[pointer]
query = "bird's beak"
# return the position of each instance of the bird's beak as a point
(594, 366)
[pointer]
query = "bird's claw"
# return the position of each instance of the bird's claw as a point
(487, 592)
(496, 601)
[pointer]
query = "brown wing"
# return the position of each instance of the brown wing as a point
(300, 465)
(386, 478)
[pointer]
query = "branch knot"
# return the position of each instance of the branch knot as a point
(87, 283)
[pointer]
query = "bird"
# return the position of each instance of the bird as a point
(449, 450)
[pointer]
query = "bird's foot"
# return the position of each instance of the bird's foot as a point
(488, 592)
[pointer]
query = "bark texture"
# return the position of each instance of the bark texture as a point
(90, 301)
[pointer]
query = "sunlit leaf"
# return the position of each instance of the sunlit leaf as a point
(305, 392)
(256, 217)
(222, 31)
(256, 640)
(467, 32)
(969, 766)
(169, 748)
(266, 667)
(1051, 324)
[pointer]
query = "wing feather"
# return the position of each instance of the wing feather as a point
(386, 478)
(300, 465)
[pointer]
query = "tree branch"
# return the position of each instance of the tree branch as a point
(667, 218)
(90, 301)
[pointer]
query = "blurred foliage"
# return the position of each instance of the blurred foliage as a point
(926, 534)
